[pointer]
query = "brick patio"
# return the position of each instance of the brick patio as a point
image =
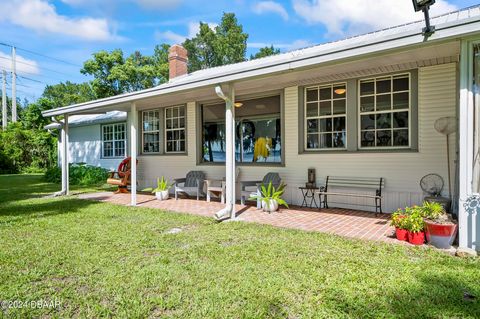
(339, 221)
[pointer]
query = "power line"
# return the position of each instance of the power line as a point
(41, 54)
(37, 66)
(30, 79)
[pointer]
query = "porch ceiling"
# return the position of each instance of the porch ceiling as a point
(335, 71)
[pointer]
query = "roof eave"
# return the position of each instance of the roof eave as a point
(443, 32)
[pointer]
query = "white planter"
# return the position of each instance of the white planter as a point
(270, 206)
(163, 195)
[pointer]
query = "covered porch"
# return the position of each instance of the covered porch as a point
(343, 222)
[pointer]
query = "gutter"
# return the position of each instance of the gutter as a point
(294, 63)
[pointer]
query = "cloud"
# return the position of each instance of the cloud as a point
(362, 15)
(170, 37)
(174, 38)
(270, 7)
(23, 65)
(41, 16)
(297, 44)
(147, 4)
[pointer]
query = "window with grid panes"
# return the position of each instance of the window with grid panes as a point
(384, 110)
(114, 140)
(175, 129)
(326, 116)
(151, 131)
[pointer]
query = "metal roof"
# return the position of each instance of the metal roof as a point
(90, 119)
(448, 26)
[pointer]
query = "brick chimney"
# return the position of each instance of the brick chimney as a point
(177, 61)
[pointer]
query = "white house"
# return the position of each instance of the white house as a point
(362, 106)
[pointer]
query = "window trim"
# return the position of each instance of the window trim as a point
(391, 111)
(114, 140)
(332, 116)
(165, 129)
(158, 131)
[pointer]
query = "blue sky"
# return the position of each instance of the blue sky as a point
(71, 30)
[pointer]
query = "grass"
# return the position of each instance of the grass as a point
(101, 260)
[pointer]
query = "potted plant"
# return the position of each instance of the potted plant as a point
(440, 228)
(271, 197)
(415, 225)
(398, 221)
(161, 191)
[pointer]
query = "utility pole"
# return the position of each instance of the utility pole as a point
(4, 100)
(14, 85)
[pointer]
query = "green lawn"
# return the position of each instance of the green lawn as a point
(101, 260)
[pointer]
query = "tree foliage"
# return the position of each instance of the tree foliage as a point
(264, 52)
(114, 74)
(224, 44)
(26, 150)
(68, 93)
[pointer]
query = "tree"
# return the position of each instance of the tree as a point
(68, 93)
(225, 44)
(264, 52)
(100, 67)
(160, 59)
(113, 74)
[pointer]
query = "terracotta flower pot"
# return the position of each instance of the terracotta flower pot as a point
(402, 234)
(440, 235)
(416, 238)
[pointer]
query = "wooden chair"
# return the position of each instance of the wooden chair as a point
(191, 184)
(121, 177)
(250, 188)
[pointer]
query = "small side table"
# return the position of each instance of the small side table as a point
(309, 193)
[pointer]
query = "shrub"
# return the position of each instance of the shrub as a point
(80, 174)
(23, 150)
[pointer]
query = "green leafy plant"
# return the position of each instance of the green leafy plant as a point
(162, 185)
(398, 219)
(79, 174)
(271, 193)
(414, 222)
(433, 210)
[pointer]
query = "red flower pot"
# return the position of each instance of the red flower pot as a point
(440, 235)
(416, 238)
(402, 234)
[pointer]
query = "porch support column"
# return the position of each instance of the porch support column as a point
(133, 153)
(466, 143)
(230, 149)
(65, 156)
(229, 98)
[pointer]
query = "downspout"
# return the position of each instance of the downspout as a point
(229, 210)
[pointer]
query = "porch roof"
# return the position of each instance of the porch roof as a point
(449, 26)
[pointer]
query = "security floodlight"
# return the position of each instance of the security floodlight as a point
(424, 5)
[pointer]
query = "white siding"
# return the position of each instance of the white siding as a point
(85, 146)
(402, 171)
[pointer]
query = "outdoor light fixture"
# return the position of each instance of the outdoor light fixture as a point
(424, 5)
(238, 104)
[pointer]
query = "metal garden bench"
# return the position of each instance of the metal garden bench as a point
(375, 184)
